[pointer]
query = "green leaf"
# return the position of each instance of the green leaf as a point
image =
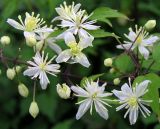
(64, 125)
(100, 33)
(156, 53)
(124, 63)
(153, 93)
(91, 78)
(103, 13)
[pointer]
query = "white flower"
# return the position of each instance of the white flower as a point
(31, 25)
(74, 53)
(142, 42)
(94, 95)
(39, 67)
(44, 39)
(75, 19)
(131, 99)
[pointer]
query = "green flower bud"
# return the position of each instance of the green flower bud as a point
(108, 62)
(116, 81)
(18, 69)
(31, 41)
(33, 109)
(112, 70)
(39, 45)
(150, 24)
(63, 91)
(23, 90)
(11, 73)
(5, 40)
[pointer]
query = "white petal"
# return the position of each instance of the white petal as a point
(69, 38)
(126, 46)
(141, 88)
(120, 94)
(126, 89)
(133, 115)
(83, 33)
(144, 52)
(83, 108)
(43, 80)
(31, 71)
(149, 41)
(82, 59)
(15, 24)
(39, 30)
(85, 42)
(121, 106)
(131, 36)
(80, 91)
(55, 47)
(89, 27)
(101, 110)
(76, 7)
(66, 23)
(63, 56)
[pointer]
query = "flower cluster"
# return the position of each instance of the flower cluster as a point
(75, 27)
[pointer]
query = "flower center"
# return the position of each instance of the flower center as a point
(42, 66)
(132, 101)
(31, 23)
(139, 39)
(75, 49)
(94, 95)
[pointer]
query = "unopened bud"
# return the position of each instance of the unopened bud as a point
(23, 90)
(150, 24)
(31, 41)
(116, 81)
(11, 73)
(18, 69)
(39, 45)
(5, 40)
(63, 91)
(108, 62)
(33, 109)
(112, 70)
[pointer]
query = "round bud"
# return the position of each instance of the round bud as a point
(116, 81)
(31, 41)
(63, 91)
(18, 69)
(5, 40)
(112, 70)
(39, 45)
(150, 24)
(23, 90)
(11, 73)
(33, 109)
(108, 62)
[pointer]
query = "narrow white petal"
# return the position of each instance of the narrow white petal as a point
(55, 47)
(43, 80)
(15, 24)
(89, 27)
(69, 38)
(80, 91)
(85, 42)
(63, 56)
(150, 41)
(101, 110)
(83, 108)
(82, 59)
(141, 88)
(122, 46)
(144, 52)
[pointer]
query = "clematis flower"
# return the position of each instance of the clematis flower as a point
(40, 67)
(131, 99)
(93, 94)
(31, 25)
(142, 42)
(75, 20)
(45, 40)
(74, 53)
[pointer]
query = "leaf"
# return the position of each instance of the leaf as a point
(103, 13)
(64, 125)
(100, 33)
(91, 78)
(124, 63)
(153, 93)
(156, 53)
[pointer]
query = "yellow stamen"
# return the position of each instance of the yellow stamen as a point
(133, 101)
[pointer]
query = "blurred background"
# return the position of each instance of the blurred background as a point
(56, 113)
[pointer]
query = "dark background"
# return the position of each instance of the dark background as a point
(56, 113)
